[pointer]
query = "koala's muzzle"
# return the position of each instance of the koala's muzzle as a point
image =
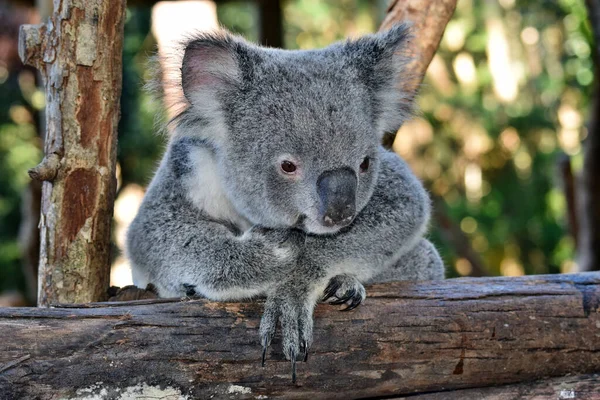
(337, 192)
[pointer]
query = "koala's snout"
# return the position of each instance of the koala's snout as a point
(337, 193)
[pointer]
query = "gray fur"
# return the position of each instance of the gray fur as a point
(221, 220)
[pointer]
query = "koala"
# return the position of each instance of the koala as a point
(274, 183)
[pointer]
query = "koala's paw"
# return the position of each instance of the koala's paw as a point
(294, 311)
(344, 289)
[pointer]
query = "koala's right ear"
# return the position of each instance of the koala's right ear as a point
(210, 69)
(381, 59)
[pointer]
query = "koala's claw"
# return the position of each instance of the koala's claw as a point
(293, 367)
(350, 294)
(331, 289)
(264, 355)
(356, 301)
(304, 348)
(344, 289)
(293, 309)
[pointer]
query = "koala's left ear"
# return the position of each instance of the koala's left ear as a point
(380, 60)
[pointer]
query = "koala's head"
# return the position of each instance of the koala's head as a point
(296, 133)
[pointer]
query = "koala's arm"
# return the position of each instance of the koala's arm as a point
(177, 249)
(386, 235)
(391, 225)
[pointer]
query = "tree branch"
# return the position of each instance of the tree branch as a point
(407, 338)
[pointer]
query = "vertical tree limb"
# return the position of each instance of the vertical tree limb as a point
(79, 55)
(569, 185)
(271, 23)
(429, 19)
(588, 246)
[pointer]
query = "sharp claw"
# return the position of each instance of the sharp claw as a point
(305, 347)
(264, 355)
(347, 296)
(294, 369)
(355, 303)
(330, 290)
(326, 296)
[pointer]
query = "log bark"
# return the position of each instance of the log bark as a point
(429, 19)
(78, 53)
(580, 387)
(407, 338)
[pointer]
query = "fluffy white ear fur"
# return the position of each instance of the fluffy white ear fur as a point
(384, 55)
(194, 78)
(209, 68)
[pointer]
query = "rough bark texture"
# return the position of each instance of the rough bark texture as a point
(589, 189)
(78, 52)
(580, 387)
(429, 19)
(407, 338)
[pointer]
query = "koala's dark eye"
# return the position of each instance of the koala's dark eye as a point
(364, 165)
(288, 167)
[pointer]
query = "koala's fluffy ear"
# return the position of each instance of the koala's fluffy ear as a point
(380, 59)
(210, 69)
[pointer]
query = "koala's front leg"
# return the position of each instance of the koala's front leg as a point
(188, 254)
(291, 303)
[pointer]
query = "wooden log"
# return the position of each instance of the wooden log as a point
(580, 387)
(407, 338)
(79, 55)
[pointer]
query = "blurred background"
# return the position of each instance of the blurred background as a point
(498, 142)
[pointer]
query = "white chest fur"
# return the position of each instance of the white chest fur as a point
(204, 189)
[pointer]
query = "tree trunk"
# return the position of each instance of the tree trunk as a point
(588, 245)
(429, 19)
(407, 338)
(78, 52)
(271, 23)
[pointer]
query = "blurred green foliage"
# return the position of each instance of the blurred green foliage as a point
(19, 150)
(506, 94)
(140, 144)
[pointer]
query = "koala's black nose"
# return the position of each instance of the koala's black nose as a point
(337, 192)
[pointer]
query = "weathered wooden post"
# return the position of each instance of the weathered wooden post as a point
(79, 55)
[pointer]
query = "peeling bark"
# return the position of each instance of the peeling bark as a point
(407, 338)
(79, 55)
